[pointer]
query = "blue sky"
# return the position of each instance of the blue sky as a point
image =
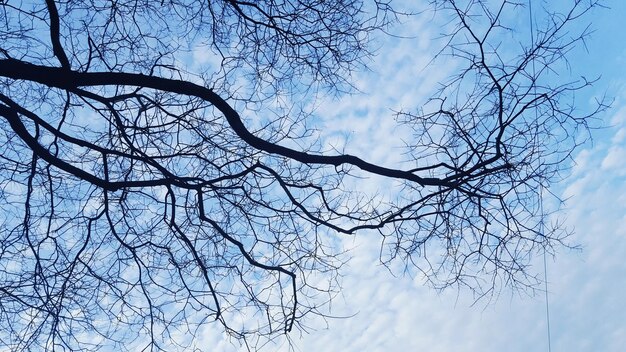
(378, 310)
(586, 287)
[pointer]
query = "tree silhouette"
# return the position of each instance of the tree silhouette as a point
(144, 196)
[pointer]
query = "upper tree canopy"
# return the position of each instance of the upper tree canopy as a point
(144, 195)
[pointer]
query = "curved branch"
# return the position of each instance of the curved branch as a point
(70, 80)
(251, 260)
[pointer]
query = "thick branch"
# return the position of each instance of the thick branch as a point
(18, 127)
(55, 35)
(71, 80)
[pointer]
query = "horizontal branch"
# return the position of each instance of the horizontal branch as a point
(71, 80)
(11, 115)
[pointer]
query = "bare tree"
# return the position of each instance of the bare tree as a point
(144, 196)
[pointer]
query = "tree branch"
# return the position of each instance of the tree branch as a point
(70, 80)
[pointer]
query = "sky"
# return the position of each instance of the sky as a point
(379, 311)
(586, 287)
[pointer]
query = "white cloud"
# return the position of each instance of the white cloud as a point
(614, 159)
